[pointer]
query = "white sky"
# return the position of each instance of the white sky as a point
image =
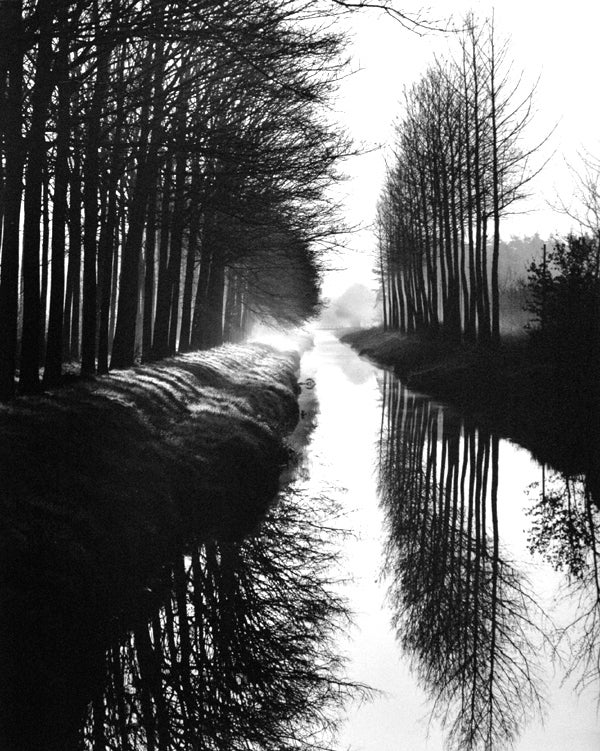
(557, 43)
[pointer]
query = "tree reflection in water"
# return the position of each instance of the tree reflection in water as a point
(241, 653)
(566, 531)
(462, 611)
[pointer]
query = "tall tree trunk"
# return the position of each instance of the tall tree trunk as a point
(121, 234)
(34, 178)
(383, 274)
(44, 264)
(123, 354)
(495, 327)
(149, 266)
(90, 204)
(190, 263)
(106, 251)
(75, 248)
(199, 320)
(107, 247)
(178, 221)
(3, 110)
(215, 299)
(478, 191)
(176, 249)
(11, 31)
(160, 340)
(471, 328)
(54, 349)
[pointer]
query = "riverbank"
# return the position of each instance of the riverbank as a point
(549, 405)
(474, 379)
(104, 483)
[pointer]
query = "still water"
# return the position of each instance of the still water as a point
(472, 575)
(471, 571)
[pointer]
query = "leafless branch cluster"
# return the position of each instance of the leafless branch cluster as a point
(459, 164)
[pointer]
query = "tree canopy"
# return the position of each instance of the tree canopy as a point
(168, 163)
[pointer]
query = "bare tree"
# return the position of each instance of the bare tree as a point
(459, 163)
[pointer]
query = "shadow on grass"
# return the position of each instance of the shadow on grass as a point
(102, 483)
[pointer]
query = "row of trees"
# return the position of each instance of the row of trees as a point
(458, 165)
(162, 176)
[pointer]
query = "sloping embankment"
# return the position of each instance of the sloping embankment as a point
(103, 481)
(551, 406)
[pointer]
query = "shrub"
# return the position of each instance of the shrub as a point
(563, 295)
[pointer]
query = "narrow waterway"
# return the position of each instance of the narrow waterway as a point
(471, 572)
(460, 613)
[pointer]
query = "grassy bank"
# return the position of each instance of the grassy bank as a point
(103, 484)
(474, 379)
(546, 403)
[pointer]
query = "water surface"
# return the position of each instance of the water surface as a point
(467, 561)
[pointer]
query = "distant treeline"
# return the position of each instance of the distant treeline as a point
(458, 164)
(162, 176)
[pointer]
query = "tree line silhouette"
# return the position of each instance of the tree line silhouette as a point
(462, 611)
(458, 164)
(162, 176)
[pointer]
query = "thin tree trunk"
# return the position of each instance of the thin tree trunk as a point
(123, 354)
(176, 246)
(495, 328)
(149, 267)
(54, 349)
(11, 25)
(107, 247)
(199, 321)
(215, 299)
(106, 251)
(44, 265)
(90, 204)
(75, 248)
(34, 178)
(190, 264)
(161, 320)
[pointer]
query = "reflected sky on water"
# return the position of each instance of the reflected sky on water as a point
(366, 429)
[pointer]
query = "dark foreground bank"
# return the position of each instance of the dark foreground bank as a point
(104, 484)
(546, 401)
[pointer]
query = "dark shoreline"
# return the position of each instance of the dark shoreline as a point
(523, 392)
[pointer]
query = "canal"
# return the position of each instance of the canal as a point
(470, 570)
(421, 579)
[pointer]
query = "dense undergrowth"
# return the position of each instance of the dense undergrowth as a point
(104, 482)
